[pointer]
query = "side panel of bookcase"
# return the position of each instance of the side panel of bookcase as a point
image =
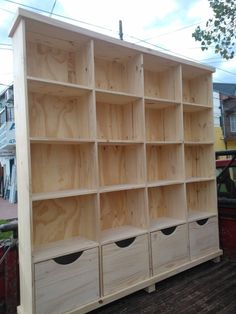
(23, 169)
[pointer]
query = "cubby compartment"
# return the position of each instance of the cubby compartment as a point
(167, 206)
(125, 263)
(163, 121)
(162, 78)
(198, 124)
(204, 237)
(197, 86)
(64, 225)
(60, 113)
(66, 282)
(164, 163)
(199, 162)
(119, 117)
(123, 214)
(169, 248)
(117, 69)
(60, 167)
(121, 165)
(201, 199)
(60, 60)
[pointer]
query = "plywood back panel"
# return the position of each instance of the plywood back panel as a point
(121, 164)
(120, 122)
(164, 162)
(199, 161)
(201, 196)
(123, 208)
(64, 218)
(61, 117)
(167, 201)
(62, 167)
(163, 123)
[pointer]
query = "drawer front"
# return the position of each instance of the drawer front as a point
(204, 237)
(66, 283)
(125, 263)
(169, 248)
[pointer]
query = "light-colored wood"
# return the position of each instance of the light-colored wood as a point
(198, 125)
(66, 167)
(169, 251)
(166, 202)
(204, 239)
(61, 117)
(201, 199)
(164, 162)
(164, 222)
(123, 208)
(123, 267)
(121, 164)
(199, 162)
(23, 170)
(150, 289)
(64, 218)
(216, 260)
(163, 121)
(120, 122)
(60, 288)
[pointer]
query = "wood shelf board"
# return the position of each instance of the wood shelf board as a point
(161, 143)
(50, 87)
(52, 140)
(61, 248)
(164, 182)
(61, 194)
(199, 179)
(121, 187)
(194, 215)
(120, 233)
(117, 98)
(165, 222)
(119, 142)
(194, 143)
(160, 103)
(191, 107)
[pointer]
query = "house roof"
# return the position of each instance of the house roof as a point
(227, 89)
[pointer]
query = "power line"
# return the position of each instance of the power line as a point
(8, 11)
(53, 7)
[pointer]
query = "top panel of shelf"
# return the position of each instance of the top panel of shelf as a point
(45, 25)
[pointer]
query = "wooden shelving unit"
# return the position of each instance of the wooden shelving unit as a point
(115, 166)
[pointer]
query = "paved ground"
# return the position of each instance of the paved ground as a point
(7, 210)
(208, 288)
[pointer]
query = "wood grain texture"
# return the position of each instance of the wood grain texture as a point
(65, 117)
(123, 267)
(163, 122)
(60, 288)
(201, 197)
(123, 208)
(121, 164)
(203, 238)
(62, 167)
(164, 162)
(64, 218)
(169, 251)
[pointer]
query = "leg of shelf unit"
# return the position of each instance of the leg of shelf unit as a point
(150, 289)
(216, 259)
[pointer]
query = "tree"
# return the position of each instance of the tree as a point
(220, 30)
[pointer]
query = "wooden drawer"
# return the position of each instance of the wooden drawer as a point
(65, 283)
(125, 263)
(169, 248)
(204, 236)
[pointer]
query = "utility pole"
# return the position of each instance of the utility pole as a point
(120, 30)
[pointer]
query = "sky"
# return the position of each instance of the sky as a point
(164, 25)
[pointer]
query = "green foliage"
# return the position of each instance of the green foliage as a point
(220, 30)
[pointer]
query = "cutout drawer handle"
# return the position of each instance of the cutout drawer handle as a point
(168, 231)
(202, 222)
(125, 243)
(68, 259)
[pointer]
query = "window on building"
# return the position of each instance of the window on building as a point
(233, 123)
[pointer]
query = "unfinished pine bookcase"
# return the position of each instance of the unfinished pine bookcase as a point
(116, 184)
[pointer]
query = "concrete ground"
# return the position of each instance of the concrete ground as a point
(7, 210)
